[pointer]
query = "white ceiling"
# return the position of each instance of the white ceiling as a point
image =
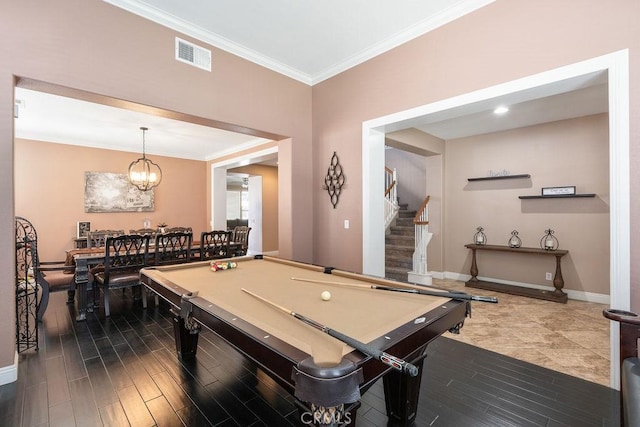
(52, 118)
(306, 41)
(576, 97)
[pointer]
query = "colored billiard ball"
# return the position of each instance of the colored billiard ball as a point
(326, 296)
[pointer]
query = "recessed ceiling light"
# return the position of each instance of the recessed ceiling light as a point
(501, 110)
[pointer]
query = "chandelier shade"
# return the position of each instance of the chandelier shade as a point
(143, 173)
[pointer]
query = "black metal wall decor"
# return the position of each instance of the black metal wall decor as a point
(334, 180)
(26, 286)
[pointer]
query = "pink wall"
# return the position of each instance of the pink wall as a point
(7, 223)
(501, 42)
(50, 192)
(565, 152)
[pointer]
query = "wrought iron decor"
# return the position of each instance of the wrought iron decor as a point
(112, 192)
(334, 180)
(480, 238)
(549, 242)
(515, 241)
(27, 287)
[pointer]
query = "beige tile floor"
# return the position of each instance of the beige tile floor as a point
(572, 338)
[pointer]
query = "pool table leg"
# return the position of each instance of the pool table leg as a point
(186, 339)
(401, 393)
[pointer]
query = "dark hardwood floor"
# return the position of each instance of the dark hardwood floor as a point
(123, 371)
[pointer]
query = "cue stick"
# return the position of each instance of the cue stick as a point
(387, 359)
(452, 295)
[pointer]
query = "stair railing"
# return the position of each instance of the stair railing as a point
(390, 196)
(421, 224)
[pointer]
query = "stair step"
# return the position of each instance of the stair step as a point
(402, 251)
(401, 230)
(400, 240)
(406, 214)
(404, 222)
(399, 274)
(397, 261)
(400, 245)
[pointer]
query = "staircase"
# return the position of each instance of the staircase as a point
(400, 245)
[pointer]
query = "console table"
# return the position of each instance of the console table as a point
(557, 296)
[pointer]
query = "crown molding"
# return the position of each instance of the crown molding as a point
(167, 20)
(415, 31)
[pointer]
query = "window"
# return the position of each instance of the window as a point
(233, 204)
(244, 204)
(237, 204)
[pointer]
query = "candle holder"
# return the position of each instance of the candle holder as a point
(514, 241)
(549, 242)
(479, 238)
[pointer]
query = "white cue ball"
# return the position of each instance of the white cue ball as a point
(326, 296)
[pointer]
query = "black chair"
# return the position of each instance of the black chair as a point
(98, 239)
(124, 257)
(170, 248)
(173, 247)
(214, 244)
(178, 230)
(241, 237)
(150, 231)
(51, 276)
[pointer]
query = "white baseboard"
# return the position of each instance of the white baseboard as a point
(437, 274)
(420, 279)
(9, 374)
(572, 294)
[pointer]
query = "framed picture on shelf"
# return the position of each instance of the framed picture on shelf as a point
(82, 229)
(569, 190)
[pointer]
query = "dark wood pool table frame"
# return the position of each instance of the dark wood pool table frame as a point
(281, 360)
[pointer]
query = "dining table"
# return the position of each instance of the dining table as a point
(86, 259)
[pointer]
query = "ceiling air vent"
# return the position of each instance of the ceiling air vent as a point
(192, 54)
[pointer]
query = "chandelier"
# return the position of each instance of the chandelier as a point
(143, 173)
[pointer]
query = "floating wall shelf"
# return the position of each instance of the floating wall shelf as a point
(493, 178)
(557, 196)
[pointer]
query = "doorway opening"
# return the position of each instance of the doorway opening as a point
(614, 68)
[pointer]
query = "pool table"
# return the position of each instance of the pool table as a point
(322, 372)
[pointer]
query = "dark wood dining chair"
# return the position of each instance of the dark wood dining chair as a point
(241, 237)
(173, 247)
(170, 248)
(150, 231)
(214, 244)
(125, 255)
(178, 229)
(98, 238)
